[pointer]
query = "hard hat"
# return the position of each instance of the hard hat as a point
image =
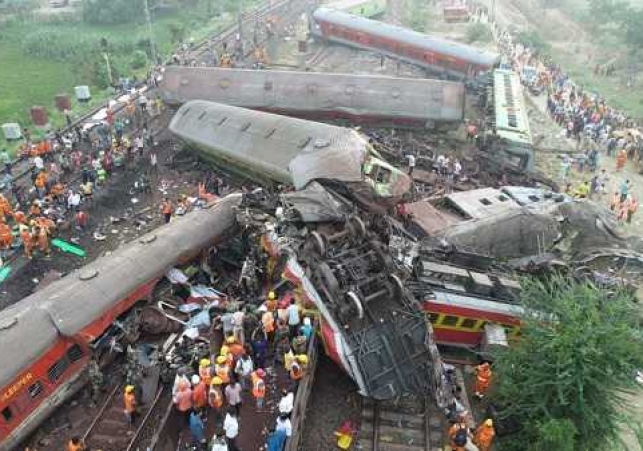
(195, 380)
(129, 389)
(272, 296)
(221, 359)
(261, 373)
(216, 380)
(204, 362)
(230, 340)
(302, 358)
(224, 350)
(488, 422)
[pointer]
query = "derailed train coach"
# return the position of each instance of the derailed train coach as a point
(449, 58)
(377, 100)
(286, 150)
(50, 336)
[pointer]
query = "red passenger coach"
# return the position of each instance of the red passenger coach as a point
(450, 58)
(48, 337)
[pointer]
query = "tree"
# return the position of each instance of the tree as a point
(114, 11)
(633, 24)
(574, 363)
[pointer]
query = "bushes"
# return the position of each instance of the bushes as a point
(139, 59)
(64, 45)
(114, 11)
(478, 32)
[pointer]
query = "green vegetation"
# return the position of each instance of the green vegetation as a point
(418, 15)
(42, 56)
(565, 381)
(478, 32)
(534, 40)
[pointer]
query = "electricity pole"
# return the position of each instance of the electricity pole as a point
(148, 19)
(240, 19)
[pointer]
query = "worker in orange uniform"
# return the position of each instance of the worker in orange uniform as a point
(268, 322)
(129, 399)
(483, 437)
(222, 369)
(166, 210)
(76, 444)
(234, 347)
(296, 372)
(27, 241)
(483, 379)
(199, 393)
(458, 435)
(6, 237)
(20, 217)
(215, 396)
(183, 401)
(42, 236)
(258, 387)
(205, 371)
(5, 207)
(621, 159)
(632, 206)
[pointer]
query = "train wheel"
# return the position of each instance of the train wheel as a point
(353, 298)
(357, 227)
(398, 286)
(328, 279)
(318, 242)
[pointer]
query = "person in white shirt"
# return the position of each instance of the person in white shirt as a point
(283, 424)
(411, 159)
(73, 201)
(38, 163)
(287, 402)
(231, 428)
(293, 318)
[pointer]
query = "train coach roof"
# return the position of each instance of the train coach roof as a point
(297, 149)
(443, 46)
(31, 326)
(83, 296)
(25, 334)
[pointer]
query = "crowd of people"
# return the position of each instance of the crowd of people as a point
(53, 198)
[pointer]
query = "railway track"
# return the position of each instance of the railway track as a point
(404, 424)
(109, 430)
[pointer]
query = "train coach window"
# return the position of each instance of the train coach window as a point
(433, 317)
(35, 389)
(7, 414)
(57, 369)
(75, 353)
(469, 323)
(449, 320)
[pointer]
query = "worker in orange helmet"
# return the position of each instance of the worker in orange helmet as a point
(199, 393)
(183, 400)
(76, 444)
(258, 387)
(20, 217)
(5, 206)
(27, 241)
(483, 437)
(458, 435)
(296, 372)
(483, 379)
(129, 399)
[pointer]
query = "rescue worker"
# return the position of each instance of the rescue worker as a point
(6, 238)
(268, 322)
(582, 192)
(289, 359)
(258, 387)
(621, 159)
(215, 396)
(183, 400)
(27, 241)
(632, 206)
(205, 371)
(296, 372)
(76, 444)
(199, 393)
(483, 379)
(458, 435)
(166, 210)
(222, 369)
(20, 217)
(302, 360)
(5, 207)
(43, 240)
(483, 437)
(129, 399)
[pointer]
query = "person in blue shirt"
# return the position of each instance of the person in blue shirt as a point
(306, 329)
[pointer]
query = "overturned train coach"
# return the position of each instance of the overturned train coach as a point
(449, 58)
(50, 336)
(286, 150)
(383, 101)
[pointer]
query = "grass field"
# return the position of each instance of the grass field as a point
(27, 80)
